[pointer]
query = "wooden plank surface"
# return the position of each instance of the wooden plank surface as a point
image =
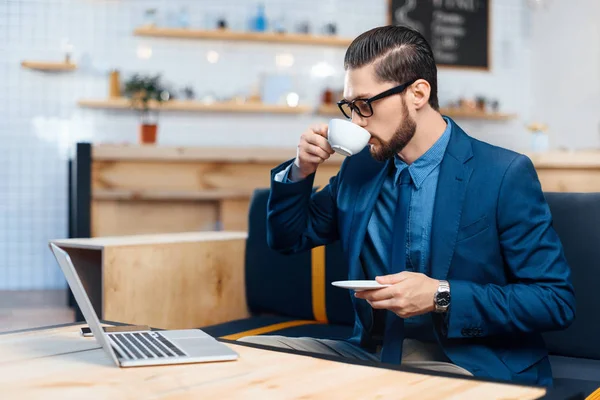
(59, 363)
(566, 159)
(112, 152)
(170, 176)
(136, 240)
(569, 179)
(275, 156)
(177, 195)
(175, 285)
(49, 66)
(219, 180)
(234, 214)
(224, 34)
(134, 217)
(466, 113)
(191, 106)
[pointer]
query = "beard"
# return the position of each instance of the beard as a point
(404, 133)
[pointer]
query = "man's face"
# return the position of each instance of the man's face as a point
(391, 126)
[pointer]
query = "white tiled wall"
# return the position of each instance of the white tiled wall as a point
(40, 122)
(566, 64)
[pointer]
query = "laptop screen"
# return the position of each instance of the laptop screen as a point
(66, 265)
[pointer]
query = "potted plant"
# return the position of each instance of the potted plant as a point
(146, 94)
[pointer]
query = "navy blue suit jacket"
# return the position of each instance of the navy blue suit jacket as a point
(492, 239)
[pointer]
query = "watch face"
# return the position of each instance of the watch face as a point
(443, 299)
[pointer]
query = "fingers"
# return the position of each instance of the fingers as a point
(319, 141)
(376, 294)
(321, 130)
(383, 304)
(313, 150)
(306, 157)
(393, 278)
(316, 151)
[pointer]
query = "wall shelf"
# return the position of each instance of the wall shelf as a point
(49, 66)
(189, 105)
(330, 110)
(333, 110)
(162, 195)
(269, 37)
(476, 114)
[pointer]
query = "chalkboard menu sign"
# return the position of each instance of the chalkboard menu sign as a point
(457, 30)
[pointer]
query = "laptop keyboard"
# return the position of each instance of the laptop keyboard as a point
(144, 345)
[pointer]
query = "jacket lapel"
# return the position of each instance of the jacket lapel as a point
(364, 201)
(451, 189)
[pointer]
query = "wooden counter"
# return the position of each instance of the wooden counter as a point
(58, 363)
(142, 189)
(157, 189)
(568, 171)
(170, 281)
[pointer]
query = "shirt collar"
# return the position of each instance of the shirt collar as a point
(424, 165)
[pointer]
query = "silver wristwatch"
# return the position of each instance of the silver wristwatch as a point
(441, 298)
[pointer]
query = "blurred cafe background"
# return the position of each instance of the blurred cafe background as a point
(123, 117)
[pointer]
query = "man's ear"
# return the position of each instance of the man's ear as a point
(421, 91)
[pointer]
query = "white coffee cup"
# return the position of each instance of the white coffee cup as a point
(347, 138)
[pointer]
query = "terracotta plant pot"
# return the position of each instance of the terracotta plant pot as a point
(148, 133)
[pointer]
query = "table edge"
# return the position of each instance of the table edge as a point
(551, 392)
(48, 327)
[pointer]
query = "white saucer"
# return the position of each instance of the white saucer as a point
(359, 285)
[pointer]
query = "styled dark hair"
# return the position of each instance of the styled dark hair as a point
(399, 53)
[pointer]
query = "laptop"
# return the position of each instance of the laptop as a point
(143, 348)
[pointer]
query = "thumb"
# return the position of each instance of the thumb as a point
(389, 279)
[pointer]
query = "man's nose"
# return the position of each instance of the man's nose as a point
(358, 119)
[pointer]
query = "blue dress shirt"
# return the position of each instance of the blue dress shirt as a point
(375, 255)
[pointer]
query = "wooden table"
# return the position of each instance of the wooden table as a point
(58, 363)
(168, 281)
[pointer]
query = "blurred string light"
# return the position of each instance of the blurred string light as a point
(284, 60)
(292, 99)
(212, 57)
(322, 70)
(144, 52)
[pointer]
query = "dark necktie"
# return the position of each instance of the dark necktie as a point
(394, 325)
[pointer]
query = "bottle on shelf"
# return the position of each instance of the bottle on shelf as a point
(183, 18)
(327, 96)
(114, 84)
(259, 22)
(150, 15)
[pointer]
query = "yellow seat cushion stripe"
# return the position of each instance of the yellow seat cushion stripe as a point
(318, 284)
(268, 328)
(594, 396)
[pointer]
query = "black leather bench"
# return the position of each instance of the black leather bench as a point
(575, 352)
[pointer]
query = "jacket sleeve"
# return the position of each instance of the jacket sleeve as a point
(540, 295)
(299, 218)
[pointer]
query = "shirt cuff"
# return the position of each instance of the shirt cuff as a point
(284, 175)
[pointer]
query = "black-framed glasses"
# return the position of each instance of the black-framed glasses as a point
(363, 107)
